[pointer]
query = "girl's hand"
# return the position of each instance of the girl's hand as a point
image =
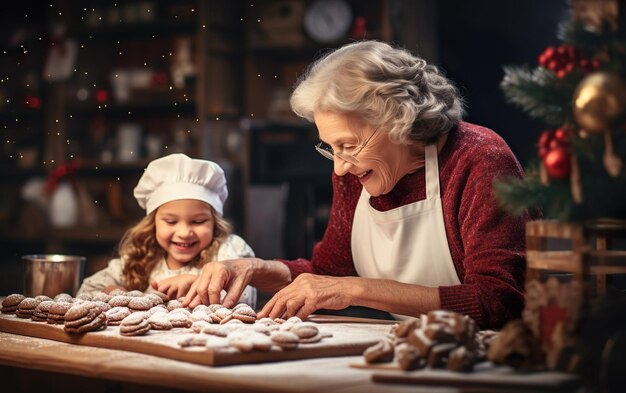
(231, 276)
(309, 293)
(176, 286)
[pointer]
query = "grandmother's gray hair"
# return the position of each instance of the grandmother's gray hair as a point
(383, 86)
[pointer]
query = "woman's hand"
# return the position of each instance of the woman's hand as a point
(176, 286)
(309, 293)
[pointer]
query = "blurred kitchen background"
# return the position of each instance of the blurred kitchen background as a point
(92, 90)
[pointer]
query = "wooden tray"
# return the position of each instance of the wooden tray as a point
(348, 338)
(486, 377)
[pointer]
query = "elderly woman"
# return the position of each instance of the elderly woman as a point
(414, 225)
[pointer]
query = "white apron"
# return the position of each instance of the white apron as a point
(406, 244)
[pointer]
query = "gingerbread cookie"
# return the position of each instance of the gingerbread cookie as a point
(56, 313)
(408, 357)
(11, 303)
(382, 352)
(116, 314)
(140, 303)
(134, 325)
(26, 307)
(244, 313)
(84, 317)
(63, 297)
(160, 321)
(101, 297)
(40, 314)
(119, 301)
(285, 339)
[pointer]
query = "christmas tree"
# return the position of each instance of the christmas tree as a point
(578, 90)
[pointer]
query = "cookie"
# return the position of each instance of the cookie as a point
(11, 302)
(40, 314)
(405, 327)
(140, 303)
(84, 296)
(381, 352)
(461, 359)
(135, 293)
(116, 314)
(163, 296)
(244, 313)
(119, 301)
(79, 310)
(97, 323)
(160, 321)
(201, 315)
(241, 341)
(56, 313)
(26, 308)
(202, 307)
(193, 341)
(116, 292)
(63, 297)
(285, 339)
(438, 355)
(134, 325)
(198, 326)
(408, 357)
(179, 319)
(418, 339)
(215, 307)
(221, 314)
(154, 298)
(84, 317)
(305, 330)
(160, 309)
(173, 304)
(42, 298)
(101, 297)
(104, 306)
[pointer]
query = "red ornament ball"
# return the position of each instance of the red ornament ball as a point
(557, 163)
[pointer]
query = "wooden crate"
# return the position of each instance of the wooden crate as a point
(590, 255)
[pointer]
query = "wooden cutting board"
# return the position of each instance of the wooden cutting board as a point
(348, 338)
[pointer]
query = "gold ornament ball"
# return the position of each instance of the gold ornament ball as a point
(599, 102)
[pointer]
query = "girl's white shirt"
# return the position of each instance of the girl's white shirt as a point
(234, 247)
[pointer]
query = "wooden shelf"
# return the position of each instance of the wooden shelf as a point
(111, 234)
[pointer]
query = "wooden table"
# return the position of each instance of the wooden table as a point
(36, 364)
(31, 364)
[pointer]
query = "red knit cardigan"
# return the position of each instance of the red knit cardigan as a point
(487, 245)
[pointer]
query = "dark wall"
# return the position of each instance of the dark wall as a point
(477, 38)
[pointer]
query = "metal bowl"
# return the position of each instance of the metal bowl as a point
(51, 274)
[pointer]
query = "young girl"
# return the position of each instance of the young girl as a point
(182, 231)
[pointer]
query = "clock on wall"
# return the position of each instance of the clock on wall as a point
(328, 20)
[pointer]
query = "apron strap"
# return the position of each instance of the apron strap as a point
(431, 171)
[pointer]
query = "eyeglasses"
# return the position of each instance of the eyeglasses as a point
(328, 152)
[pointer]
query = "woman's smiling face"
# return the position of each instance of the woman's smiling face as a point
(382, 163)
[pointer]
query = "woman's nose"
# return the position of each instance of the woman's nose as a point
(341, 167)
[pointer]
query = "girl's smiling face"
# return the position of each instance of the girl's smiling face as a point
(183, 229)
(382, 163)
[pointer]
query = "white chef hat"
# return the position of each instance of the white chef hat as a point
(177, 176)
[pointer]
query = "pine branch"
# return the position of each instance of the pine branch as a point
(539, 93)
